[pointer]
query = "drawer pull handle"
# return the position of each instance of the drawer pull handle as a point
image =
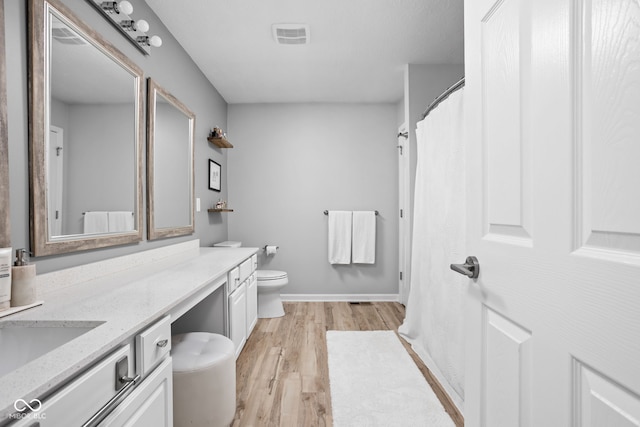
(163, 343)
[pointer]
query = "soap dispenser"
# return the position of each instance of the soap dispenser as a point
(23, 280)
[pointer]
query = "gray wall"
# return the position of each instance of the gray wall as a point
(293, 161)
(171, 158)
(98, 166)
(170, 66)
(424, 83)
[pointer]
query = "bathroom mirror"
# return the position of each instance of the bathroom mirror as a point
(86, 136)
(170, 188)
(5, 227)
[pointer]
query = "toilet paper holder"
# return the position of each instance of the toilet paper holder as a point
(270, 250)
(266, 246)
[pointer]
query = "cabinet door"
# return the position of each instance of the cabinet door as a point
(150, 404)
(238, 317)
(252, 303)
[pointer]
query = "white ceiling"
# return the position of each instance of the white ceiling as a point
(357, 52)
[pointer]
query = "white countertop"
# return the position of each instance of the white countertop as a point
(125, 301)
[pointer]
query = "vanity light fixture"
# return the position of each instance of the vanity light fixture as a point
(131, 25)
(115, 7)
(154, 41)
(118, 13)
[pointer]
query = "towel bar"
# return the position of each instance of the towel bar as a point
(132, 213)
(327, 212)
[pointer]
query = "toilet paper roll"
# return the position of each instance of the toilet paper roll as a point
(271, 249)
(23, 285)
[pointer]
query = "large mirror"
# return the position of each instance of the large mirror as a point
(5, 228)
(170, 188)
(86, 136)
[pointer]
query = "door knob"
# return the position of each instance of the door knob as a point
(470, 268)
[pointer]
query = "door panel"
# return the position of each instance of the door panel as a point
(601, 402)
(508, 372)
(507, 193)
(607, 144)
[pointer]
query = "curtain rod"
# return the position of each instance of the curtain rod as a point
(445, 95)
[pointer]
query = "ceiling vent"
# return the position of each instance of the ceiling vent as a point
(292, 34)
(65, 35)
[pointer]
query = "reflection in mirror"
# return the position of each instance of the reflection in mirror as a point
(170, 133)
(85, 139)
(5, 229)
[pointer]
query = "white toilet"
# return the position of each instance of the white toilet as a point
(270, 282)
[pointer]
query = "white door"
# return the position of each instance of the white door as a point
(404, 241)
(553, 211)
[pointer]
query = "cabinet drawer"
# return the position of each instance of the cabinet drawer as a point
(246, 268)
(254, 261)
(80, 400)
(153, 345)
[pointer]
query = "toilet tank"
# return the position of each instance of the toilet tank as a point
(227, 244)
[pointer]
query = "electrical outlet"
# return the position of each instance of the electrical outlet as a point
(198, 204)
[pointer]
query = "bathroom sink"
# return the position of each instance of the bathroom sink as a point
(24, 341)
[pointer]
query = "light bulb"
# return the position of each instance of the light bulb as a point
(155, 41)
(125, 7)
(142, 25)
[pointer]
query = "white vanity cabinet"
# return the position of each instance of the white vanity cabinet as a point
(97, 397)
(81, 380)
(242, 302)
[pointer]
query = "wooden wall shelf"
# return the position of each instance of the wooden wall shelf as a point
(219, 210)
(220, 142)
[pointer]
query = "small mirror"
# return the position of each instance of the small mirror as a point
(170, 133)
(5, 229)
(86, 114)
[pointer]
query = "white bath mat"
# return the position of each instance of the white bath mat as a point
(374, 382)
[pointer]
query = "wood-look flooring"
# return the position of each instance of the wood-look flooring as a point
(283, 375)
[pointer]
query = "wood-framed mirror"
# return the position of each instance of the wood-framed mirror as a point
(170, 176)
(5, 223)
(85, 147)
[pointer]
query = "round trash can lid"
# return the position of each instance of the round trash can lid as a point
(195, 351)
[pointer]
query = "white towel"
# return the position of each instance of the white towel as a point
(120, 221)
(96, 222)
(340, 237)
(363, 246)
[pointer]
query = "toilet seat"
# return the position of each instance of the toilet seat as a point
(266, 275)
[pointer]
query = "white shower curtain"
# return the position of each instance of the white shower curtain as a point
(434, 322)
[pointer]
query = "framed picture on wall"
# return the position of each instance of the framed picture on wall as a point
(215, 179)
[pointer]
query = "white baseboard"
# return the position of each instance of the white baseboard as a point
(341, 297)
